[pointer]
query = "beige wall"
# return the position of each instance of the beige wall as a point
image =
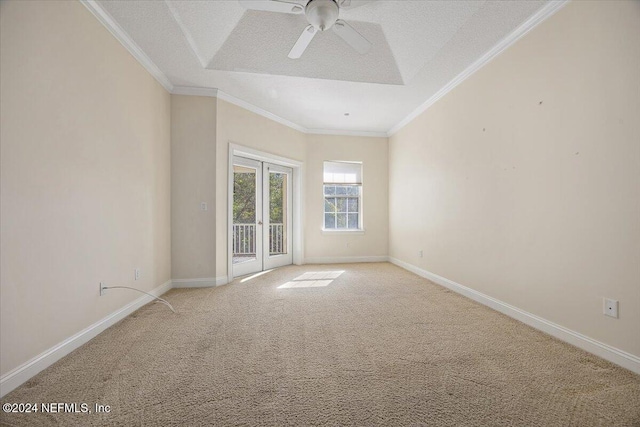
(524, 182)
(372, 152)
(193, 180)
(85, 176)
(240, 126)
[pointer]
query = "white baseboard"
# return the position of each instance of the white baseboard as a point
(24, 372)
(346, 259)
(607, 352)
(207, 282)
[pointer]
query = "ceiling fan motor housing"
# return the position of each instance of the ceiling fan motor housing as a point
(322, 14)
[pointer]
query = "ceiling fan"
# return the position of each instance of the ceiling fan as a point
(321, 15)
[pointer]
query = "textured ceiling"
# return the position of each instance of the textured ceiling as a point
(259, 45)
(418, 48)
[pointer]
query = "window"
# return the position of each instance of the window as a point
(342, 196)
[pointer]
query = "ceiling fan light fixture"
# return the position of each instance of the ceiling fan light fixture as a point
(322, 14)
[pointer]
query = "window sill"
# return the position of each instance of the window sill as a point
(339, 232)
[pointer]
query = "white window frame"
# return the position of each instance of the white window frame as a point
(360, 185)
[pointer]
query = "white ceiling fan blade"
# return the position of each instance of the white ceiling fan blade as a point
(352, 37)
(350, 4)
(273, 6)
(303, 42)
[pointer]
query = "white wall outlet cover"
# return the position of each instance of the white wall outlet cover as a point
(203, 206)
(137, 274)
(610, 307)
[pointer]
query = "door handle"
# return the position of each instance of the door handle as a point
(259, 222)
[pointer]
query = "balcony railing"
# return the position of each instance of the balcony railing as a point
(276, 239)
(244, 240)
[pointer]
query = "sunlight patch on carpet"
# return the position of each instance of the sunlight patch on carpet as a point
(320, 275)
(312, 279)
(246, 279)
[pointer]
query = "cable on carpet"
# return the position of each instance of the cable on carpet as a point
(165, 302)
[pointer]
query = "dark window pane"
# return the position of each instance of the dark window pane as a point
(353, 204)
(341, 190)
(342, 220)
(329, 190)
(329, 204)
(277, 197)
(342, 205)
(329, 220)
(353, 220)
(353, 190)
(244, 198)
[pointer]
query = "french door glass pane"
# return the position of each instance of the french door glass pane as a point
(278, 213)
(244, 214)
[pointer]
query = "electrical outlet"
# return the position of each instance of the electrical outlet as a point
(203, 206)
(348, 244)
(137, 273)
(610, 307)
(420, 253)
(102, 288)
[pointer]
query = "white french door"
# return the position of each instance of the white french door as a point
(247, 216)
(276, 214)
(262, 202)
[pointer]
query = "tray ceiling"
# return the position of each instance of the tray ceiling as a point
(419, 47)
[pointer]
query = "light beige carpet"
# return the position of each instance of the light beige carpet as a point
(376, 346)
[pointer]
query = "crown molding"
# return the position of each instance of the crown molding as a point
(541, 15)
(260, 111)
(217, 93)
(338, 132)
(195, 91)
(121, 35)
